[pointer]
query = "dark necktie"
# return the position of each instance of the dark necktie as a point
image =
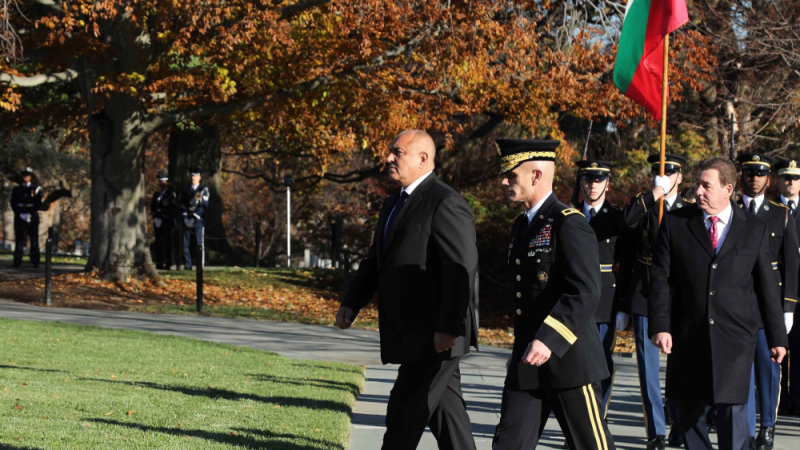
(752, 206)
(395, 212)
(592, 213)
(791, 207)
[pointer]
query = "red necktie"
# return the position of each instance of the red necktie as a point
(712, 231)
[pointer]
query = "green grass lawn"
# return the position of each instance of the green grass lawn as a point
(75, 387)
(72, 260)
(250, 277)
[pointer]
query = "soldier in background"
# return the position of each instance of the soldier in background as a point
(193, 208)
(163, 208)
(25, 202)
(606, 221)
(789, 185)
(641, 219)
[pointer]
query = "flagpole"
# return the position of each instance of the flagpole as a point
(664, 93)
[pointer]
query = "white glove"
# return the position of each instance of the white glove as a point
(189, 223)
(157, 222)
(26, 217)
(788, 319)
(663, 183)
(622, 320)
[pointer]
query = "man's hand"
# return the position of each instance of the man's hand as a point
(788, 320)
(443, 341)
(622, 321)
(777, 354)
(537, 353)
(663, 341)
(344, 317)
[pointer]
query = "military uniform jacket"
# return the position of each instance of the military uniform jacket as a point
(607, 224)
(713, 304)
(783, 249)
(556, 272)
(641, 219)
(163, 206)
(194, 203)
(26, 200)
(424, 274)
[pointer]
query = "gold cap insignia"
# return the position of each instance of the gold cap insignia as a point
(756, 158)
(594, 164)
(497, 146)
(793, 164)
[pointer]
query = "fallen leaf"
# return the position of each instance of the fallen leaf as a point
(110, 413)
(130, 413)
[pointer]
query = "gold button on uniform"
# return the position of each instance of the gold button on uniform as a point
(519, 294)
(519, 278)
(519, 312)
(518, 262)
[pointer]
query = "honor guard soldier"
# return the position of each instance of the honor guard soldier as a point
(641, 219)
(25, 202)
(789, 185)
(557, 360)
(163, 208)
(606, 221)
(785, 260)
(193, 208)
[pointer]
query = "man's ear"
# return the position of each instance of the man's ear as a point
(424, 157)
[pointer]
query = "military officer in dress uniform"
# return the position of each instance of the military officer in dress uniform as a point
(785, 260)
(193, 208)
(163, 208)
(25, 202)
(557, 361)
(606, 221)
(641, 218)
(789, 185)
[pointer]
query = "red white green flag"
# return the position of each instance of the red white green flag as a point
(638, 71)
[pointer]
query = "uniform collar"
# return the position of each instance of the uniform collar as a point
(669, 202)
(532, 212)
(746, 201)
(195, 187)
(785, 200)
(587, 208)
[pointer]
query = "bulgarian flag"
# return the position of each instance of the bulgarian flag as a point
(638, 71)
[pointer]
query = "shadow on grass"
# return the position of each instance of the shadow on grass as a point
(217, 393)
(267, 439)
(321, 383)
(15, 447)
(3, 366)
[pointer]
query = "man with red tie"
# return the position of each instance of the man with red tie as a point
(711, 290)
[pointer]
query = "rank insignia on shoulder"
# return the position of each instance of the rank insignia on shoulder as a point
(570, 211)
(542, 276)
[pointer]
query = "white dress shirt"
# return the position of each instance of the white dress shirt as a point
(408, 189)
(668, 202)
(746, 201)
(785, 200)
(531, 213)
(723, 224)
(587, 207)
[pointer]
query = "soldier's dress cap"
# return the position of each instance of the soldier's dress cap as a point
(783, 166)
(595, 168)
(514, 152)
(672, 163)
(195, 171)
(162, 176)
(756, 162)
(26, 171)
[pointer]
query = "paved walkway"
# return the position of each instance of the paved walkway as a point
(482, 373)
(27, 271)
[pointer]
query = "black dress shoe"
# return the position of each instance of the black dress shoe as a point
(752, 443)
(676, 438)
(667, 416)
(711, 419)
(658, 443)
(766, 438)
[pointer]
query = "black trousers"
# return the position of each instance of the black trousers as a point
(22, 232)
(428, 394)
(523, 415)
(163, 246)
(733, 430)
(790, 380)
(198, 231)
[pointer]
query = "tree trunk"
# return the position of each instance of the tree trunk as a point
(201, 149)
(119, 237)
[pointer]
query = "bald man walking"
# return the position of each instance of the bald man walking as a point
(423, 263)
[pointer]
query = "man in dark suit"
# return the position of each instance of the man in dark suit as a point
(606, 221)
(423, 263)
(765, 387)
(557, 362)
(163, 208)
(789, 185)
(641, 220)
(25, 202)
(711, 290)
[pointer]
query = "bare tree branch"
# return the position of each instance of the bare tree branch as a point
(38, 80)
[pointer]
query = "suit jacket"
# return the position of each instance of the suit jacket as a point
(641, 220)
(783, 248)
(556, 268)
(607, 224)
(425, 276)
(719, 302)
